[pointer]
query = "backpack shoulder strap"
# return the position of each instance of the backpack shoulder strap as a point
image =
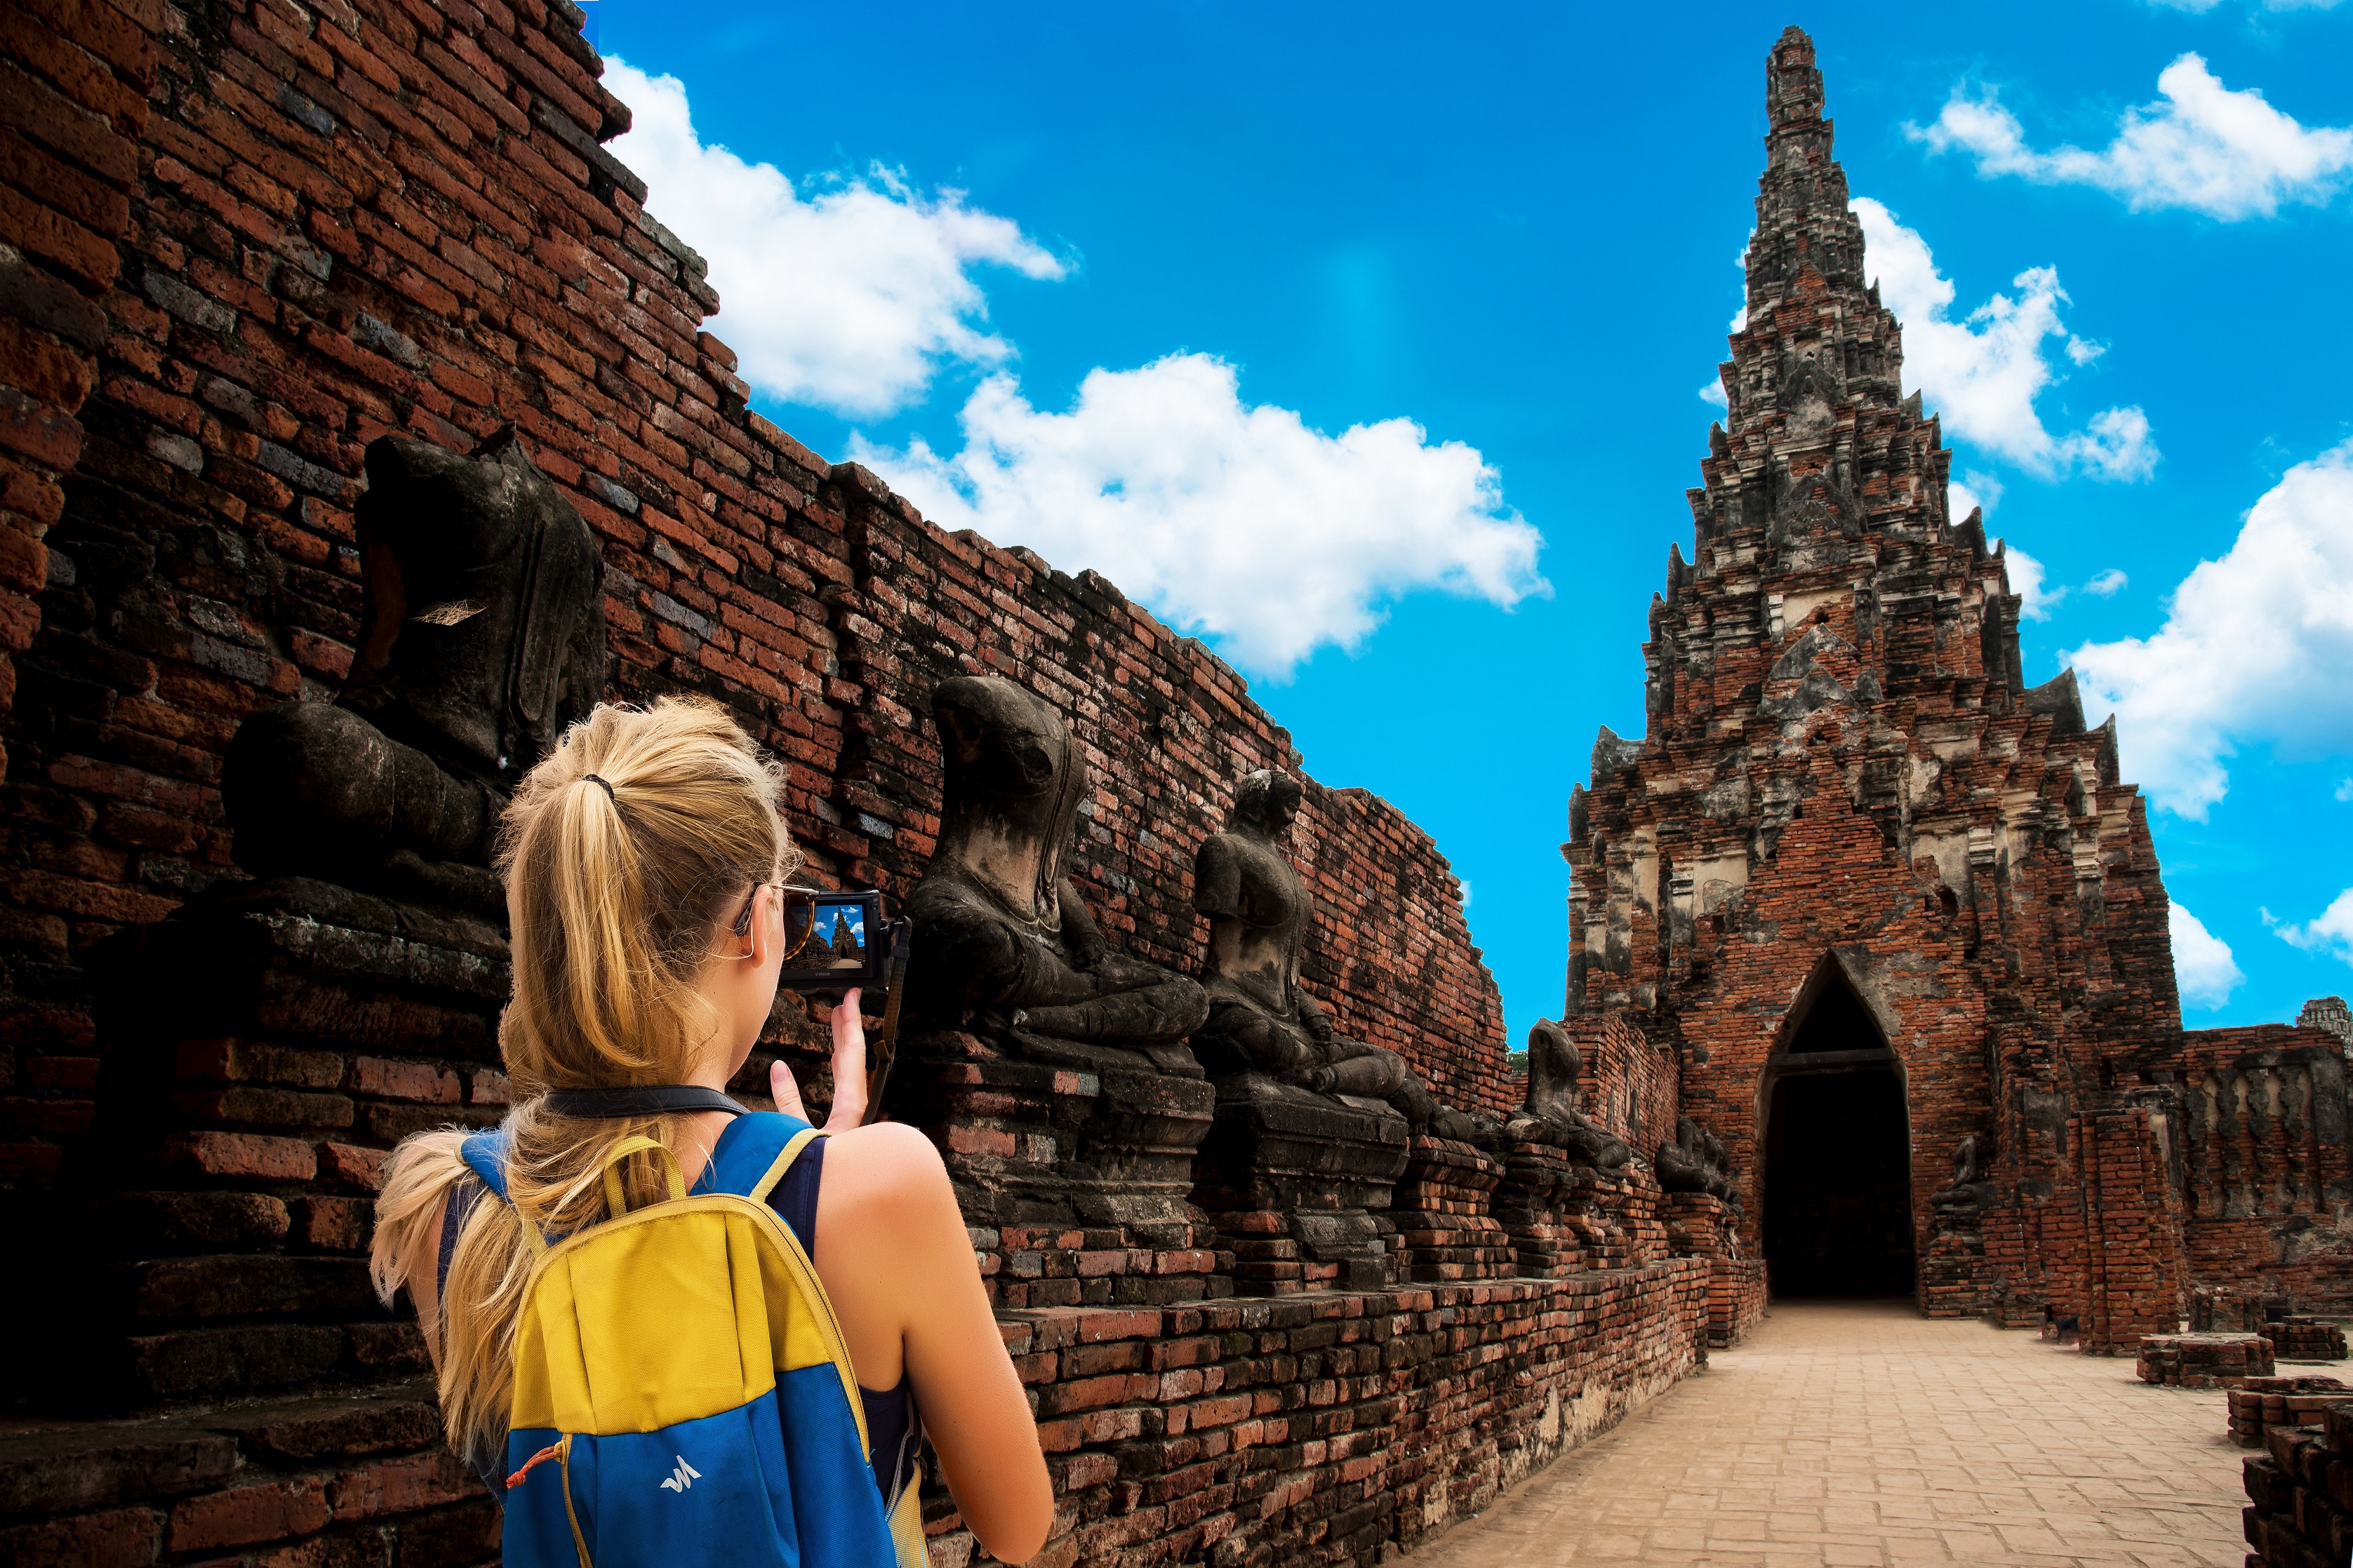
(485, 1154)
(755, 1153)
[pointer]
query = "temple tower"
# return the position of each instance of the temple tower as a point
(1878, 896)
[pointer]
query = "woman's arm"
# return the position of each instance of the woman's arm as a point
(894, 1252)
(894, 1257)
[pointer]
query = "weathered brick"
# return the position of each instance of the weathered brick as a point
(243, 1515)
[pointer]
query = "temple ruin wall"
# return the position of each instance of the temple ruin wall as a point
(359, 220)
(257, 236)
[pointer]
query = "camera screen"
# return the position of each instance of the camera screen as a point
(848, 943)
(839, 938)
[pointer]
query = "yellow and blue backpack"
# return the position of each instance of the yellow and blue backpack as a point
(683, 1391)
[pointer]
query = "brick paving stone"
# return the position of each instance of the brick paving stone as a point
(1860, 1433)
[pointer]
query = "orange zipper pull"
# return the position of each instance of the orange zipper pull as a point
(553, 1450)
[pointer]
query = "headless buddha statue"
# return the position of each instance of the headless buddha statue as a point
(1554, 1114)
(482, 638)
(1002, 943)
(1695, 1161)
(1260, 1018)
(1969, 1187)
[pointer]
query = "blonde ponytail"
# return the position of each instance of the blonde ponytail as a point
(623, 853)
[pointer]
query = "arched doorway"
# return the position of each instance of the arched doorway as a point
(1837, 1152)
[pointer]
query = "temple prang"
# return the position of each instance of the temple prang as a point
(1868, 884)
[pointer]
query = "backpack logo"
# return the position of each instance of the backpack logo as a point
(682, 1478)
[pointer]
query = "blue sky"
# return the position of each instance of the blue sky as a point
(1368, 342)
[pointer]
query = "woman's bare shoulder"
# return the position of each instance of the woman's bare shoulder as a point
(886, 1164)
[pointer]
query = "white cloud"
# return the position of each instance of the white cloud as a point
(1973, 491)
(2107, 585)
(850, 299)
(2200, 7)
(2202, 965)
(2257, 648)
(2203, 147)
(2344, 789)
(2331, 933)
(2027, 581)
(1235, 522)
(1983, 373)
(1713, 393)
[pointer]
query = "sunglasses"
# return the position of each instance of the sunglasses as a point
(798, 906)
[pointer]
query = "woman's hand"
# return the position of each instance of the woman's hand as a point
(849, 1066)
(849, 1073)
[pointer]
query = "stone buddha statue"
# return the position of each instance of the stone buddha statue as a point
(1554, 1114)
(1695, 1161)
(1261, 1018)
(1970, 1187)
(482, 638)
(1003, 944)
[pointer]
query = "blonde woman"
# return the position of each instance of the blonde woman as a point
(645, 865)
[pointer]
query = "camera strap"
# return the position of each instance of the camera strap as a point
(882, 1045)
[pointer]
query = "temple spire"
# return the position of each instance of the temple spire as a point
(1802, 221)
(1818, 440)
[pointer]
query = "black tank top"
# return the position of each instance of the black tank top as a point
(895, 1441)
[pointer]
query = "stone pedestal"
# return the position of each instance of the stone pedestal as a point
(1074, 1177)
(2203, 1360)
(1545, 1245)
(1298, 1183)
(1956, 1281)
(2260, 1404)
(1698, 1225)
(1614, 1215)
(2305, 1338)
(261, 1050)
(1442, 1209)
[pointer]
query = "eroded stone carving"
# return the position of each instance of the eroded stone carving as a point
(1003, 945)
(1554, 1114)
(1695, 1163)
(482, 636)
(1969, 1188)
(1261, 1018)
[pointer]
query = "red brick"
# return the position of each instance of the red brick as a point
(272, 1511)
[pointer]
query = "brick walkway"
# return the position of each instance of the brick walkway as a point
(1861, 1432)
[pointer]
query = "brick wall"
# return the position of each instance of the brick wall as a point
(364, 218)
(1633, 1084)
(1331, 1427)
(74, 77)
(2299, 1510)
(2266, 1178)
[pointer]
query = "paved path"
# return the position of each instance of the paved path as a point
(1863, 1433)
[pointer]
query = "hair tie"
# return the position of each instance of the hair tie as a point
(592, 779)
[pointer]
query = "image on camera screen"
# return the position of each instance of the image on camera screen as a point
(841, 929)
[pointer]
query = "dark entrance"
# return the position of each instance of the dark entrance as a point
(1838, 1156)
